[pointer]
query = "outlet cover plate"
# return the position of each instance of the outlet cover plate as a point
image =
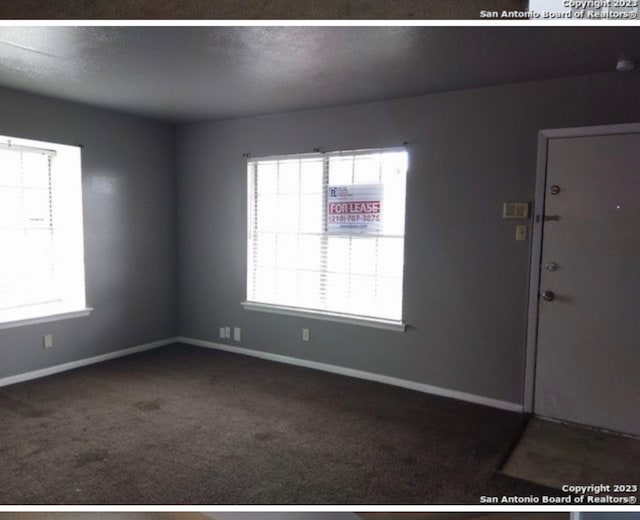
(522, 233)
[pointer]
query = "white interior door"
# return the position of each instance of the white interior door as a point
(588, 348)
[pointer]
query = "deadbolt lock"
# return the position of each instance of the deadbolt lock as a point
(549, 296)
(554, 190)
(550, 266)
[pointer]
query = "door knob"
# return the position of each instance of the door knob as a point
(549, 296)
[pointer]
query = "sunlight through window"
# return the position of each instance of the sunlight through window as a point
(42, 264)
(326, 232)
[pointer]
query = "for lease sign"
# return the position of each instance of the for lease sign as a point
(354, 208)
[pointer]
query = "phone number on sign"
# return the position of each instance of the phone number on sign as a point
(333, 219)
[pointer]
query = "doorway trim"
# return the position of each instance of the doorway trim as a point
(544, 136)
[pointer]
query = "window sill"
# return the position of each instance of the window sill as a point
(397, 326)
(31, 320)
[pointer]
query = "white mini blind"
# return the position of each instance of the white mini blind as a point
(27, 228)
(296, 260)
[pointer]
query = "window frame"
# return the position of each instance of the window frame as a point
(69, 236)
(319, 314)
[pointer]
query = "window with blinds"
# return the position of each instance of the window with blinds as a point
(41, 265)
(326, 233)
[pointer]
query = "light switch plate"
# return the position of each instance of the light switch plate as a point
(516, 209)
(236, 333)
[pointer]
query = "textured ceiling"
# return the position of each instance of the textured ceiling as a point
(198, 73)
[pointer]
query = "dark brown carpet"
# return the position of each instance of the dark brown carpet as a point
(186, 425)
(254, 9)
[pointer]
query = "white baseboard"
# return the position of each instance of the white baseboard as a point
(35, 374)
(360, 374)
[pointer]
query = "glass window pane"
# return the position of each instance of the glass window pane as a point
(267, 177)
(12, 265)
(265, 285)
(10, 172)
(367, 169)
(11, 208)
(340, 170)
(363, 256)
(287, 213)
(389, 298)
(309, 253)
(311, 176)
(38, 191)
(311, 211)
(35, 167)
(300, 265)
(337, 292)
(362, 293)
(309, 289)
(289, 177)
(390, 256)
(338, 255)
(286, 286)
(265, 251)
(36, 208)
(287, 255)
(266, 214)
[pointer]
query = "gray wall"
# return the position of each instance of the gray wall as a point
(465, 275)
(130, 230)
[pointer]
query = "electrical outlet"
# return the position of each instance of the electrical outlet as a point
(305, 334)
(47, 341)
(221, 332)
(236, 333)
(522, 232)
(227, 332)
